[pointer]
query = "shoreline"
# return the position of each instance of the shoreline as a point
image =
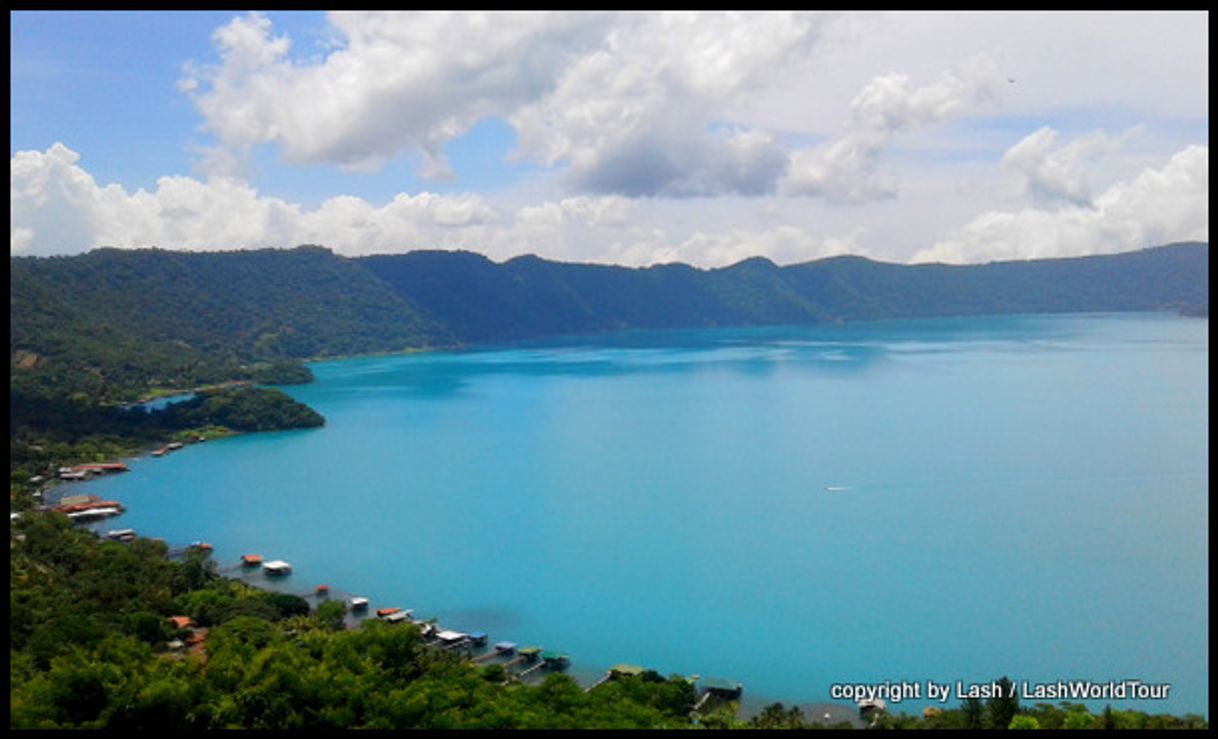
(391, 354)
(748, 704)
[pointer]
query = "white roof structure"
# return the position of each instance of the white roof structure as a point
(448, 635)
(357, 602)
(277, 565)
(94, 513)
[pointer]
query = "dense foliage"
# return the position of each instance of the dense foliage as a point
(115, 322)
(285, 372)
(240, 409)
(89, 631)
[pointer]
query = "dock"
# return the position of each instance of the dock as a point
(520, 663)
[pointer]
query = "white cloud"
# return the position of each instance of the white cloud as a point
(846, 169)
(629, 103)
(1059, 175)
(1157, 206)
(780, 244)
(58, 208)
(638, 116)
(399, 82)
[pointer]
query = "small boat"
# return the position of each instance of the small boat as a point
(202, 546)
(160, 452)
(383, 612)
(89, 513)
(173, 445)
(396, 617)
(121, 535)
(277, 567)
(837, 488)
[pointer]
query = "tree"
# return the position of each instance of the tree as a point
(1024, 722)
(494, 673)
(1003, 707)
(974, 713)
(1079, 719)
(330, 614)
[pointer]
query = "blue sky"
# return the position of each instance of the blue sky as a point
(630, 138)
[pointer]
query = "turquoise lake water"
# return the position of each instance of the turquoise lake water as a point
(954, 499)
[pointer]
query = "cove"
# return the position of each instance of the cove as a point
(790, 507)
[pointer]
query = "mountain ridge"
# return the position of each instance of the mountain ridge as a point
(111, 321)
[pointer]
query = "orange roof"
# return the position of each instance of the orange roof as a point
(251, 559)
(181, 622)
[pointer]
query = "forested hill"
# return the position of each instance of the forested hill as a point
(112, 320)
(479, 300)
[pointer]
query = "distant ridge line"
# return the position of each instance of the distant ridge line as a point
(179, 319)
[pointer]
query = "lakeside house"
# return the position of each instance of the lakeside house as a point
(450, 638)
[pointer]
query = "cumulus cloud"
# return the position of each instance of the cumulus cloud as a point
(398, 82)
(781, 244)
(846, 168)
(636, 117)
(58, 208)
(1054, 175)
(1157, 206)
(628, 102)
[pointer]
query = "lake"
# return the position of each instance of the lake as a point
(952, 499)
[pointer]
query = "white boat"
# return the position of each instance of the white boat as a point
(93, 513)
(276, 567)
(837, 488)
